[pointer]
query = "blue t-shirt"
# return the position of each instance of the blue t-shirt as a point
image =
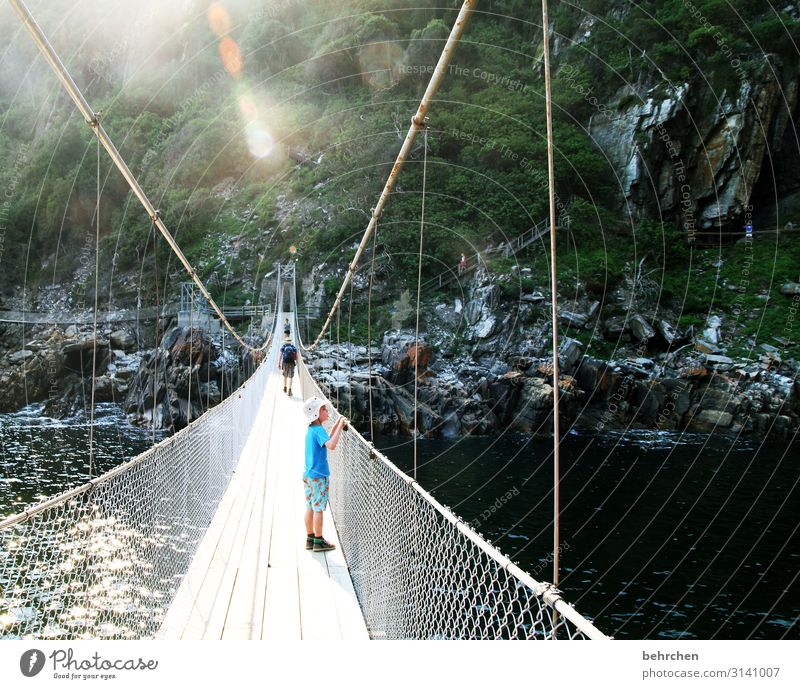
(316, 452)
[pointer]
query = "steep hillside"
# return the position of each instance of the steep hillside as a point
(265, 132)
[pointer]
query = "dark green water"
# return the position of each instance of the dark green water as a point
(663, 536)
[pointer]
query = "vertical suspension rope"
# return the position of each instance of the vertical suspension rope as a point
(338, 352)
(191, 360)
(419, 291)
(158, 318)
(369, 333)
(94, 326)
(553, 289)
(330, 340)
(350, 355)
(222, 368)
(208, 374)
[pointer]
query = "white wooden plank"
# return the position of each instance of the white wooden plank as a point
(282, 610)
(243, 618)
(351, 620)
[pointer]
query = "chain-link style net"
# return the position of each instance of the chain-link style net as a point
(105, 560)
(420, 572)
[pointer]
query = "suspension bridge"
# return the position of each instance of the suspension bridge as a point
(201, 536)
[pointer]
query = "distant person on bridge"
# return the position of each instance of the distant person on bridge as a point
(462, 266)
(316, 477)
(287, 360)
(287, 329)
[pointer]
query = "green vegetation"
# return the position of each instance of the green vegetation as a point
(335, 85)
(713, 39)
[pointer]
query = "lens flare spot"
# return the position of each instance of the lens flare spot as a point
(231, 56)
(259, 140)
(218, 19)
(248, 107)
(380, 64)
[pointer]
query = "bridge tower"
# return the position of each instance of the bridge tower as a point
(286, 283)
(194, 312)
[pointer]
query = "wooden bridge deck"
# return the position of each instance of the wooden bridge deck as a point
(252, 577)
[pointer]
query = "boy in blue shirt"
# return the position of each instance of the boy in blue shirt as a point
(316, 477)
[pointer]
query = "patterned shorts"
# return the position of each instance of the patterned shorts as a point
(316, 493)
(288, 370)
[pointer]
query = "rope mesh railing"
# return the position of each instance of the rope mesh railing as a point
(421, 573)
(104, 560)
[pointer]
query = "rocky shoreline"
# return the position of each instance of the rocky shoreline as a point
(707, 393)
(166, 386)
(500, 378)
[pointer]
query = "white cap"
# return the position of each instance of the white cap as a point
(311, 408)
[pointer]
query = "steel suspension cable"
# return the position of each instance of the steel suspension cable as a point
(338, 350)
(191, 361)
(94, 321)
(553, 289)
(419, 293)
(156, 344)
(350, 355)
(369, 333)
(417, 123)
(93, 121)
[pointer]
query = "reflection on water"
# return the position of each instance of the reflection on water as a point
(41, 457)
(663, 535)
(107, 561)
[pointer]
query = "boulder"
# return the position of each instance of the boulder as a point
(20, 356)
(569, 353)
(667, 331)
(711, 333)
(534, 405)
(83, 345)
(694, 371)
(448, 315)
(123, 339)
(533, 298)
(706, 347)
(574, 320)
(718, 399)
(677, 396)
(718, 360)
(473, 310)
(485, 327)
(641, 329)
(709, 420)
